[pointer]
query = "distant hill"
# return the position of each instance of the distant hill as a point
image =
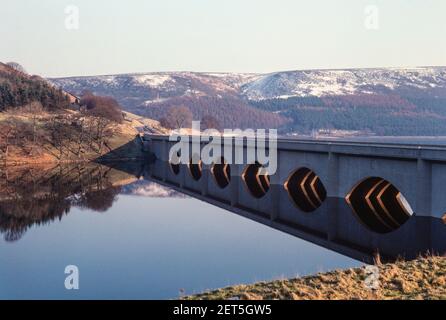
(424, 81)
(392, 101)
(215, 94)
(381, 101)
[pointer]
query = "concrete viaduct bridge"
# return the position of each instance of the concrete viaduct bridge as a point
(358, 199)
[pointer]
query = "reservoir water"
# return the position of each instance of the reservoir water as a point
(133, 239)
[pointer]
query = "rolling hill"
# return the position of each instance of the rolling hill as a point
(39, 124)
(390, 101)
(150, 95)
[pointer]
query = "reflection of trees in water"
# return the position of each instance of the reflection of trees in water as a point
(17, 216)
(99, 201)
(32, 198)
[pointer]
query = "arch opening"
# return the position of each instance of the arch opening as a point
(174, 163)
(256, 179)
(195, 167)
(379, 205)
(221, 171)
(305, 189)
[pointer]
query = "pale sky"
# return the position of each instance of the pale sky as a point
(220, 35)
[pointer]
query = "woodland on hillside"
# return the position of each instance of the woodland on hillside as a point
(18, 90)
(38, 119)
(379, 114)
(229, 112)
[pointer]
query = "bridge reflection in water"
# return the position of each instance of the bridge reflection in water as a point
(357, 206)
(301, 206)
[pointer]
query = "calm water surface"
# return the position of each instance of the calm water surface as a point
(140, 241)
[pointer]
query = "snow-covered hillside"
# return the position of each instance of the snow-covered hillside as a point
(160, 85)
(343, 82)
(406, 98)
(163, 85)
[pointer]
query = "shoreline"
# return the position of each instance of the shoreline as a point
(58, 162)
(419, 279)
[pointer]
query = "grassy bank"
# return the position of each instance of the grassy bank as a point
(40, 123)
(424, 278)
(68, 136)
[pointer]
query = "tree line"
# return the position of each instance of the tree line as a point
(17, 90)
(380, 114)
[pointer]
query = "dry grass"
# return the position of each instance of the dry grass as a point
(134, 121)
(124, 137)
(424, 278)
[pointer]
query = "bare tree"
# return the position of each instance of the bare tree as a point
(35, 109)
(178, 117)
(164, 122)
(16, 66)
(7, 132)
(101, 131)
(104, 107)
(24, 135)
(81, 137)
(59, 132)
(210, 122)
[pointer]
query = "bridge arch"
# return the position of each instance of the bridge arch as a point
(195, 167)
(256, 179)
(379, 205)
(221, 172)
(174, 163)
(305, 189)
